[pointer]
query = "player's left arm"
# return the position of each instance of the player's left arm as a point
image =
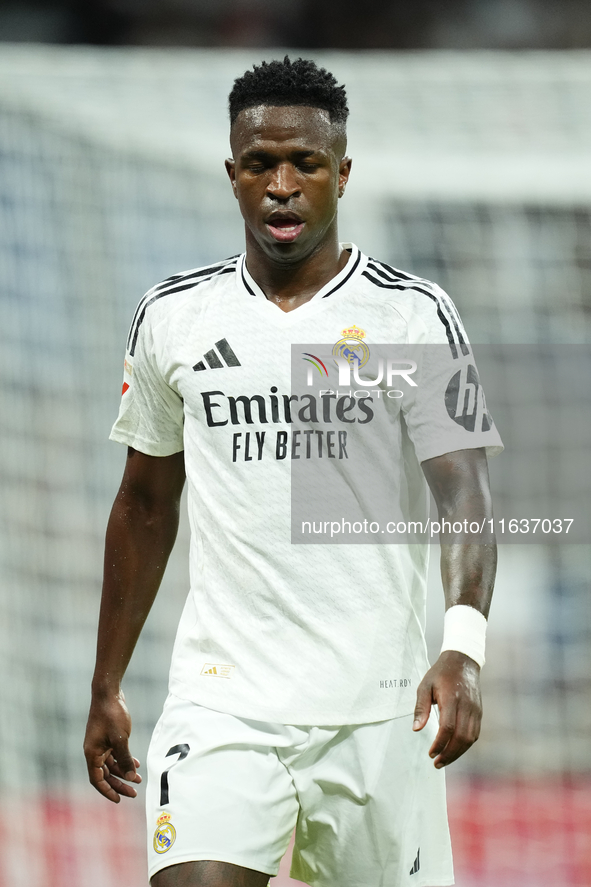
(460, 486)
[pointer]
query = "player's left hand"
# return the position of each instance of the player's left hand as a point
(453, 684)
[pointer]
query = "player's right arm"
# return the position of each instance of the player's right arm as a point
(141, 532)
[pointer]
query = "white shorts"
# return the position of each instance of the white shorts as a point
(367, 804)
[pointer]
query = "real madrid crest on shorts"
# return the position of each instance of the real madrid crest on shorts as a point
(165, 834)
(352, 347)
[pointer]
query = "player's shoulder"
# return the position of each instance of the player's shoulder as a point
(165, 295)
(423, 304)
(416, 291)
(191, 279)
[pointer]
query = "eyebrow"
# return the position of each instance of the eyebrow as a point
(268, 155)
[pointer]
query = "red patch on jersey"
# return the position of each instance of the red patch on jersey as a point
(125, 387)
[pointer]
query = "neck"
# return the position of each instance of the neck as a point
(290, 284)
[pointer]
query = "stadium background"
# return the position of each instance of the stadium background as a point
(471, 168)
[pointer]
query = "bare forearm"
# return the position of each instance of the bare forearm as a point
(468, 574)
(139, 540)
(459, 482)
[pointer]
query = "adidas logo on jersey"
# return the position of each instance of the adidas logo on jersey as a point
(215, 360)
(218, 671)
(416, 864)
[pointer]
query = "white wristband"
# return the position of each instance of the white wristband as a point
(464, 630)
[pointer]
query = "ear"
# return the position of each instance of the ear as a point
(231, 170)
(344, 173)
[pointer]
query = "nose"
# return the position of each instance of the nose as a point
(283, 182)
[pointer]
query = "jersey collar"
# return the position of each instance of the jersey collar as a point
(349, 273)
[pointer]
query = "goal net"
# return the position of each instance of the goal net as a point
(470, 169)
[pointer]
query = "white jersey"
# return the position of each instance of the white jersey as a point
(271, 630)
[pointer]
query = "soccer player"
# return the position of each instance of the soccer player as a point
(300, 692)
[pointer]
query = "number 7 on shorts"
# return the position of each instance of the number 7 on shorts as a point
(182, 751)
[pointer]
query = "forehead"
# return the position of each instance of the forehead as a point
(267, 125)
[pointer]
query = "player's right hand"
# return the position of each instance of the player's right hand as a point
(106, 747)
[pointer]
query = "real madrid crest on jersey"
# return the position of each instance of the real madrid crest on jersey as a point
(165, 834)
(352, 347)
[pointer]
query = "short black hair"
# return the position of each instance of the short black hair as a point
(284, 83)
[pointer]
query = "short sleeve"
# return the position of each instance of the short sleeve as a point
(151, 412)
(447, 410)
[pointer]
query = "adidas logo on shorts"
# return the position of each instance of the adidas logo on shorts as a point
(416, 864)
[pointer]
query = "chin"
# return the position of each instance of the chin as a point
(288, 252)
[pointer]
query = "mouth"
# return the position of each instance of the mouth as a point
(284, 227)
